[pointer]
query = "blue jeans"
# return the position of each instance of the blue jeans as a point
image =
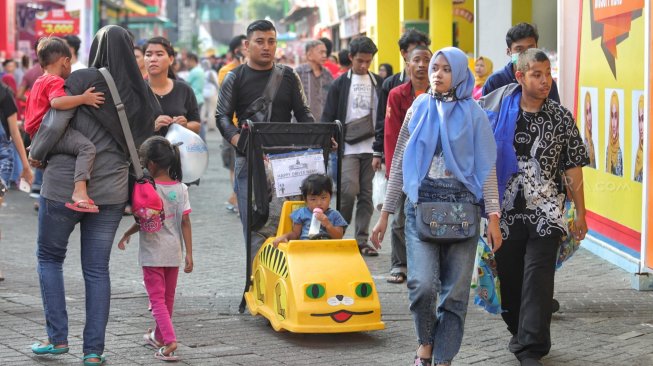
(6, 161)
(240, 187)
(441, 272)
(98, 231)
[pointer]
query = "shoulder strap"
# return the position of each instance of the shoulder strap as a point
(138, 170)
(272, 87)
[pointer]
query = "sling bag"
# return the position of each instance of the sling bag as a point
(361, 128)
(147, 206)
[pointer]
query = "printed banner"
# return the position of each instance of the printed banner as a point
(56, 22)
(289, 170)
(610, 84)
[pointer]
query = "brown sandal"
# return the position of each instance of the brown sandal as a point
(397, 277)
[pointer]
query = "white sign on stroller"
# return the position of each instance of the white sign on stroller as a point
(290, 169)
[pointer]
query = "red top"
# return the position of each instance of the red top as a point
(332, 67)
(400, 99)
(10, 81)
(45, 88)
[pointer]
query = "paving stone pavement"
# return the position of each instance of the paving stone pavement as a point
(601, 321)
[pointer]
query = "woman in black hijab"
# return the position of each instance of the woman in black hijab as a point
(112, 48)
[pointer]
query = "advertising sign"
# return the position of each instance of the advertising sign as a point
(56, 22)
(610, 83)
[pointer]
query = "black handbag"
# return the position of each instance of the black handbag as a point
(447, 222)
(361, 128)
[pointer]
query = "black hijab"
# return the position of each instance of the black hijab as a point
(113, 49)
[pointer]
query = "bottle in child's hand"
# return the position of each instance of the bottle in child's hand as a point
(315, 223)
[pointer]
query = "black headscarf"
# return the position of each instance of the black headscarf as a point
(113, 49)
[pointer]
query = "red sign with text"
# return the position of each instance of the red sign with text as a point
(56, 22)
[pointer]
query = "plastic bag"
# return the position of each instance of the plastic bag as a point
(487, 288)
(569, 244)
(379, 184)
(193, 152)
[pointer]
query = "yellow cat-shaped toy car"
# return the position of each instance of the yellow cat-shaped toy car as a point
(313, 286)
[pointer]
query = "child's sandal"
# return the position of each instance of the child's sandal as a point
(159, 355)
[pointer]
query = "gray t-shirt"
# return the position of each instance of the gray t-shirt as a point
(108, 183)
(164, 247)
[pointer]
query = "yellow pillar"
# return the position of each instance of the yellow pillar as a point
(440, 23)
(409, 11)
(522, 11)
(383, 27)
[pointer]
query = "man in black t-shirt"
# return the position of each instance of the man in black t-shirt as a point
(246, 83)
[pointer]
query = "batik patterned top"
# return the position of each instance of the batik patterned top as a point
(547, 143)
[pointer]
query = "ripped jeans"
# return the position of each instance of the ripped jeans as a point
(439, 276)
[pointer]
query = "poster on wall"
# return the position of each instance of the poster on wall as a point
(589, 123)
(614, 128)
(611, 59)
(637, 136)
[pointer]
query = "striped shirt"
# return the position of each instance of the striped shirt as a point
(395, 183)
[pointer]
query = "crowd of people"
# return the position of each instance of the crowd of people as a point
(498, 144)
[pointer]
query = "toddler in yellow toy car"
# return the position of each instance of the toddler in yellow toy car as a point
(316, 190)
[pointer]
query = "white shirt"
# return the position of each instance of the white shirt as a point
(77, 66)
(358, 105)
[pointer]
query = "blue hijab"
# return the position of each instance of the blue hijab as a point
(468, 144)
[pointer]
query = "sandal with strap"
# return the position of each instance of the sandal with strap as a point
(170, 357)
(422, 361)
(398, 277)
(48, 349)
(93, 363)
(368, 251)
(150, 339)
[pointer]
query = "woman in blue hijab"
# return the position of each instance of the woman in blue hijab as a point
(445, 153)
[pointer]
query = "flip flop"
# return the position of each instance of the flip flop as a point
(93, 363)
(48, 349)
(397, 277)
(368, 251)
(150, 339)
(169, 358)
(75, 206)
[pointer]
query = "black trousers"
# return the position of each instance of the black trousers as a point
(526, 267)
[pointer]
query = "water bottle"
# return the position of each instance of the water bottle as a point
(315, 223)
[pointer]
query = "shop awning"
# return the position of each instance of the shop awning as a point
(297, 13)
(135, 7)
